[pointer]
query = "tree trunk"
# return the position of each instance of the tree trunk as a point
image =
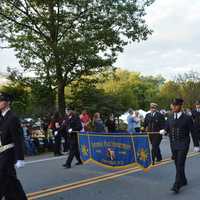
(61, 98)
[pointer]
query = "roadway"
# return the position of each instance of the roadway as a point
(44, 178)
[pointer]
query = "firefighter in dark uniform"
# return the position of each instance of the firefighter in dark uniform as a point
(153, 123)
(196, 132)
(74, 127)
(178, 127)
(11, 151)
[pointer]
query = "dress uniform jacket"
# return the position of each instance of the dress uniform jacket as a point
(179, 131)
(10, 133)
(196, 119)
(154, 123)
(196, 131)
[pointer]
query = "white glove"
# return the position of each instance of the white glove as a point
(163, 132)
(56, 133)
(196, 149)
(70, 130)
(19, 164)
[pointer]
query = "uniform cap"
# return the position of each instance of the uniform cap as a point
(5, 97)
(153, 105)
(177, 101)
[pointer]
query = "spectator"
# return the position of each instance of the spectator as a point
(98, 123)
(131, 121)
(30, 147)
(137, 120)
(85, 120)
(55, 126)
(110, 124)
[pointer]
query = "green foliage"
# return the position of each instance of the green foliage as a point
(85, 96)
(115, 95)
(133, 90)
(20, 96)
(31, 97)
(61, 40)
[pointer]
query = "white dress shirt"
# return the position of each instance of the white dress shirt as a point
(177, 115)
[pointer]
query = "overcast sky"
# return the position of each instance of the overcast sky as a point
(172, 49)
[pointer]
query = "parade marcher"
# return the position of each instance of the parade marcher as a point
(74, 127)
(196, 132)
(11, 151)
(153, 123)
(179, 126)
(110, 124)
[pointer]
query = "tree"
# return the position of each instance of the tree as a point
(132, 89)
(61, 40)
(20, 96)
(85, 95)
(40, 98)
(169, 91)
(189, 87)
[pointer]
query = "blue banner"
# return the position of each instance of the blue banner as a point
(116, 150)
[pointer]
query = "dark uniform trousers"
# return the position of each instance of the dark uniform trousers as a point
(75, 125)
(10, 132)
(179, 133)
(10, 187)
(73, 149)
(155, 151)
(179, 160)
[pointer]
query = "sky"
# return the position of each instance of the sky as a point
(172, 49)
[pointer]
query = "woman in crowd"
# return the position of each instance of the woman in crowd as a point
(110, 124)
(98, 123)
(55, 125)
(137, 120)
(85, 120)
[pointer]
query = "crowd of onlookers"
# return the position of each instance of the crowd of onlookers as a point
(52, 134)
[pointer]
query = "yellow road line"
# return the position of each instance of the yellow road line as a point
(86, 182)
(80, 182)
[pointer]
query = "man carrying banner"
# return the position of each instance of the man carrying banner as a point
(75, 126)
(178, 127)
(11, 151)
(153, 123)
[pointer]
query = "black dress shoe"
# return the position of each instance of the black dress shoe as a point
(66, 165)
(58, 154)
(79, 163)
(183, 183)
(159, 160)
(175, 188)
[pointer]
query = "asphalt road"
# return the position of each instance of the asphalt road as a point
(79, 181)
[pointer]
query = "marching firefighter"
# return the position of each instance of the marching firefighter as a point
(153, 123)
(179, 126)
(196, 121)
(11, 151)
(74, 127)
